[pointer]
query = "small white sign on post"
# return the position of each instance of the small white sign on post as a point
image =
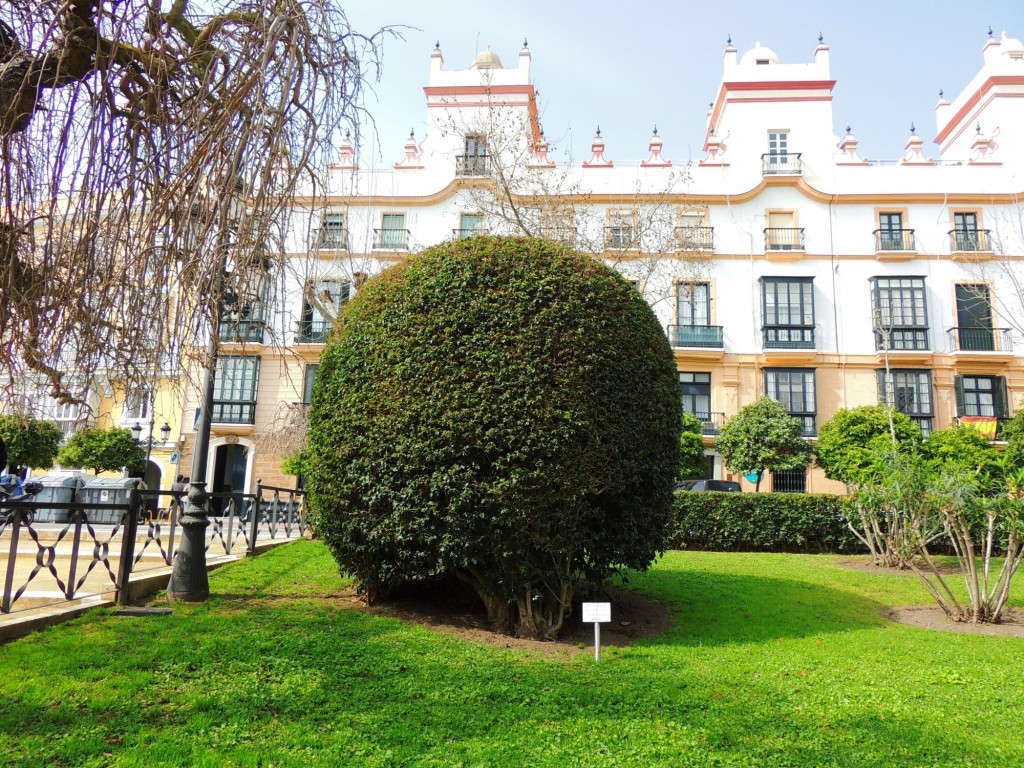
(598, 614)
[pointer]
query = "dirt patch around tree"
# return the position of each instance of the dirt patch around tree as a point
(634, 618)
(933, 617)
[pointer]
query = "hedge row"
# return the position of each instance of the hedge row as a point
(762, 522)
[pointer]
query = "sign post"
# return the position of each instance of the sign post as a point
(598, 613)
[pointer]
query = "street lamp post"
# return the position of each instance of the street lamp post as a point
(189, 581)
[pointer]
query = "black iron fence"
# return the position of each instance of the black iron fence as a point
(82, 558)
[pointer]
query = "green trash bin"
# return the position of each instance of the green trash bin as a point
(107, 490)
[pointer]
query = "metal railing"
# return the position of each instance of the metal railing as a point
(391, 239)
(894, 240)
(788, 337)
(314, 331)
(781, 164)
(49, 564)
(233, 412)
(705, 336)
(784, 239)
(562, 235)
(472, 165)
(980, 339)
(789, 481)
(966, 240)
(242, 330)
(462, 234)
(695, 238)
(711, 423)
(333, 239)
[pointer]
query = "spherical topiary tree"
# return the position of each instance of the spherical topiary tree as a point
(501, 410)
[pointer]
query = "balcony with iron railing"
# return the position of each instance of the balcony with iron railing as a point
(980, 339)
(700, 336)
(788, 337)
(711, 423)
(233, 412)
(463, 233)
(391, 239)
(472, 165)
(333, 239)
(894, 240)
(695, 238)
(781, 165)
(240, 331)
(784, 239)
(970, 240)
(314, 331)
(563, 235)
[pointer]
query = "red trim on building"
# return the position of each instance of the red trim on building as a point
(972, 102)
(490, 90)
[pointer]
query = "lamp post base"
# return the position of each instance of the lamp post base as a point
(190, 582)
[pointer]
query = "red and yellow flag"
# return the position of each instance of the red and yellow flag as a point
(985, 425)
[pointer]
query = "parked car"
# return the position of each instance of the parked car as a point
(727, 486)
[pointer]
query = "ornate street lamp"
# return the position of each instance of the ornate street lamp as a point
(232, 289)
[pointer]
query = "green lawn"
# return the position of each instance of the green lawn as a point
(773, 660)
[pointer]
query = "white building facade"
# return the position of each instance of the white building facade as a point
(782, 263)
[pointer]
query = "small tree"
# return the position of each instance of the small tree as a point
(1013, 434)
(692, 461)
(501, 411)
(104, 450)
(843, 441)
(30, 442)
(963, 450)
(761, 438)
(849, 446)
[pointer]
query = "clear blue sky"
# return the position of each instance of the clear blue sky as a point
(629, 65)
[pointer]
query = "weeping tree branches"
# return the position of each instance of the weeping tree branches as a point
(145, 146)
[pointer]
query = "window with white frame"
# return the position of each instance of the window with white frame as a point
(620, 232)
(136, 406)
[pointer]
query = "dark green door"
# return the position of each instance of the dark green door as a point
(974, 318)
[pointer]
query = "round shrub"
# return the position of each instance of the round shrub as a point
(503, 411)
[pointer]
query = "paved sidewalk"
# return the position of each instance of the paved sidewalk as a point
(42, 602)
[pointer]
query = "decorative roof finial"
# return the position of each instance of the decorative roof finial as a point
(821, 38)
(848, 129)
(977, 128)
(412, 133)
(437, 45)
(728, 40)
(599, 130)
(526, 43)
(990, 30)
(655, 130)
(940, 93)
(348, 134)
(912, 128)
